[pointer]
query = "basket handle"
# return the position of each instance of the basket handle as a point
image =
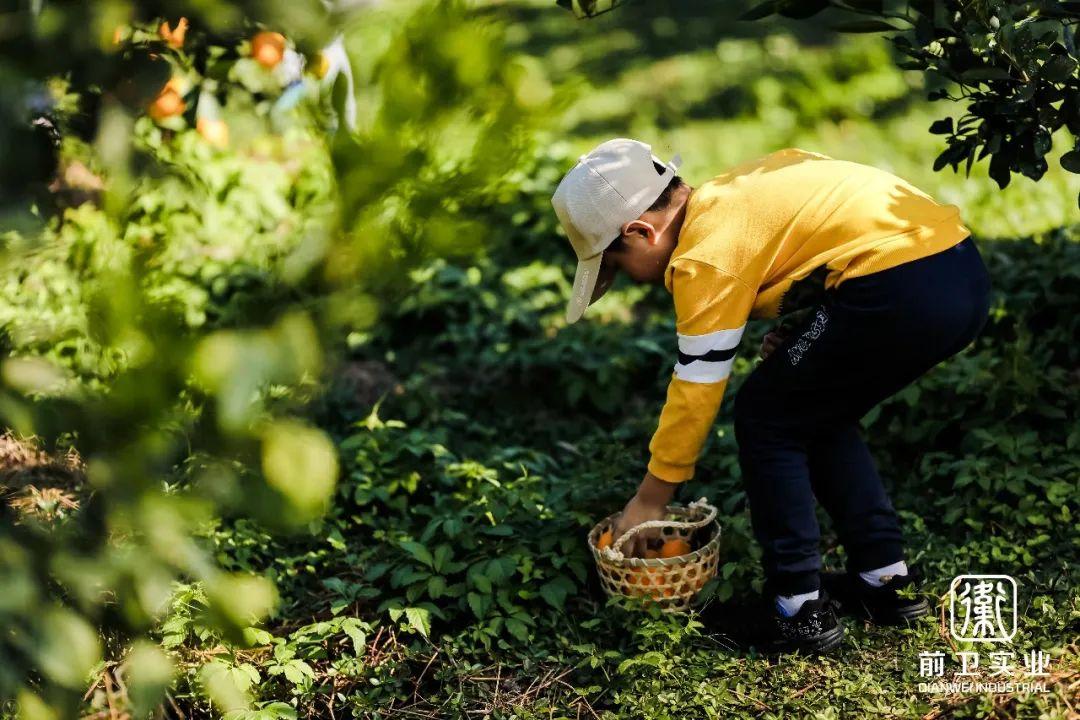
(615, 551)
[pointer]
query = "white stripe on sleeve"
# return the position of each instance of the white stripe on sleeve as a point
(707, 358)
(701, 371)
(719, 340)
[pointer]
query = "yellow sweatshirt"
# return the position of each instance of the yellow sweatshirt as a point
(749, 235)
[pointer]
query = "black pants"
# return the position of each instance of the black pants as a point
(796, 415)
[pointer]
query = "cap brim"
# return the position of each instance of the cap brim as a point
(605, 280)
(585, 279)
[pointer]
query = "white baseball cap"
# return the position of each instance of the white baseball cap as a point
(609, 187)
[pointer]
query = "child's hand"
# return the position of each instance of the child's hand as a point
(649, 503)
(772, 341)
(635, 513)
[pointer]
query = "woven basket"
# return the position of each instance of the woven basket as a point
(672, 583)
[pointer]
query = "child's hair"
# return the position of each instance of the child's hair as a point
(665, 197)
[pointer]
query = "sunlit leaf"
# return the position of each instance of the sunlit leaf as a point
(300, 462)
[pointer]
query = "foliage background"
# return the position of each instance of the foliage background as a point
(479, 437)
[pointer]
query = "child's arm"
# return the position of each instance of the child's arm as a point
(711, 308)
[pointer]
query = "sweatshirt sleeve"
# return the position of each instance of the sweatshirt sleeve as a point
(711, 309)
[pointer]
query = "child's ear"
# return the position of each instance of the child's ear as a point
(642, 229)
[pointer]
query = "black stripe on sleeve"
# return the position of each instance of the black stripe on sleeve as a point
(711, 356)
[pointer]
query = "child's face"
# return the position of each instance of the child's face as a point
(644, 255)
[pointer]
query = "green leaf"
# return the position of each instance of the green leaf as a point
(300, 462)
(224, 687)
(518, 629)
(240, 599)
(149, 676)
(876, 6)
(68, 648)
(298, 672)
(555, 591)
(1071, 161)
(999, 169)
(419, 552)
(376, 571)
(442, 554)
(1059, 69)
(358, 637)
(942, 127)
(419, 619)
(865, 26)
(985, 73)
(801, 9)
(588, 8)
(499, 569)
(276, 711)
(478, 578)
(479, 604)
(436, 586)
(407, 575)
(757, 12)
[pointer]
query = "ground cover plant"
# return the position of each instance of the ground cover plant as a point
(478, 437)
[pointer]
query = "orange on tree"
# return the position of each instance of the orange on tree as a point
(174, 37)
(268, 48)
(320, 65)
(169, 101)
(214, 131)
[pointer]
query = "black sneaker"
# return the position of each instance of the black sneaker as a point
(814, 629)
(897, 602)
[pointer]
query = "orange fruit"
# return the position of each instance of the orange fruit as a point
(675, 548)
(118, 35)
(639, 580)
(268, 48)
(169, 102)
(174, 38)
(605, 540)
(215, 132)
(652, 554)
(320, 65)
(650, 582)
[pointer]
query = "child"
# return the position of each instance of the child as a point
(900, 287)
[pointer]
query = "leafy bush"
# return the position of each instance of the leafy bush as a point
(196, 282)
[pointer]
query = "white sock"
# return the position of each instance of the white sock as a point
(877, 578)
(789, 605)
